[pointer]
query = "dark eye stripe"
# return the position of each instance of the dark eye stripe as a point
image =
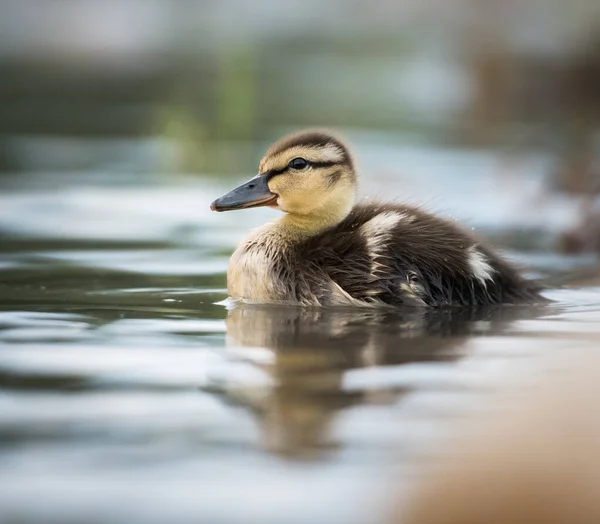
(322, 164)
(273, 172)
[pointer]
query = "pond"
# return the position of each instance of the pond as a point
(132, 391)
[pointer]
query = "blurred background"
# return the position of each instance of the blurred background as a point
(485, 89)
(191, 86)
(127, 388)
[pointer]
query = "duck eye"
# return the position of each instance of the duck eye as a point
(298, 163)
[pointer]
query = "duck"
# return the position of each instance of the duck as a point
(328, 250)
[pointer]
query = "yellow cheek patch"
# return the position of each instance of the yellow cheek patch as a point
(286, 185)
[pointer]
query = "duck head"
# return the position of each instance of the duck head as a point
(308, 175)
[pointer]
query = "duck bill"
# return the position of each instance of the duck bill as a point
(254, 193)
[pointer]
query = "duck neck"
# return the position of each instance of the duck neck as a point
(305, 226)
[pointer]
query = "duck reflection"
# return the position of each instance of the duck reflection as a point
(313, 349)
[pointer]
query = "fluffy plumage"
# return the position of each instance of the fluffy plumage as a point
(327, 251)
(385, 254)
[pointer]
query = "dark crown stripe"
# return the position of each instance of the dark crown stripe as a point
(313, 140)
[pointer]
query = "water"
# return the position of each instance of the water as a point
(130, 393)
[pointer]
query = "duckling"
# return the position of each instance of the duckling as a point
(326, 250)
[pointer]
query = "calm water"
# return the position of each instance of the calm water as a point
(130, 393)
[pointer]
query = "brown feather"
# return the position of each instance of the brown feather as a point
(424, 263)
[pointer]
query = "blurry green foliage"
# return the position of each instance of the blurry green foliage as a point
(235, 92)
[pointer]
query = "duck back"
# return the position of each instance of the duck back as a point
(387, 254)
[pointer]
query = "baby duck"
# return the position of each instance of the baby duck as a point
(327, 251)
